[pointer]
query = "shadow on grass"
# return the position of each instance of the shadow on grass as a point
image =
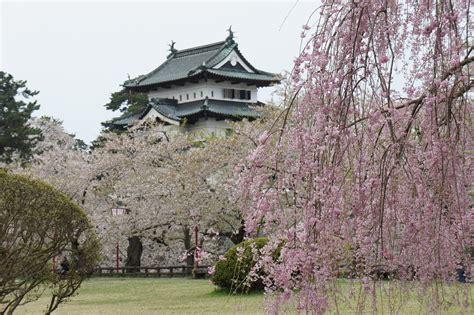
(226, 292)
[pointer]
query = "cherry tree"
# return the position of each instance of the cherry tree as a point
(65, 163)
(370, 169)
(171, 183)
(123, 180)
(62, 161)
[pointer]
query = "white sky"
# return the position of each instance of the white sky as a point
(77, 53)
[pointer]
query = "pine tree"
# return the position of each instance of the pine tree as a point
(128, 103)
(18, 139)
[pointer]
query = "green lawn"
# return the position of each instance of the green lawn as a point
(151, 296)
(181, 296)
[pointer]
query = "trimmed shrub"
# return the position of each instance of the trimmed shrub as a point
(39, 224)
(232, 272)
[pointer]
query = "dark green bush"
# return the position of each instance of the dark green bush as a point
(231, 273)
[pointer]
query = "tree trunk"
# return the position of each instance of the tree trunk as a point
(134, 253)
(188, 245)
(238, 237)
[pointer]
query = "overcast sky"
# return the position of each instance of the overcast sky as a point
(77, 53)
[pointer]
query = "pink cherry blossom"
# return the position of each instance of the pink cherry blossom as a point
(367, 172)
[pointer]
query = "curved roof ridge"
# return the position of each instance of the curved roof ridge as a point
(142, 77)
(198, 49)
(197, 61)
(178, 54)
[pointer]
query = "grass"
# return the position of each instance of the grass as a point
(151, 296)
(185, 296)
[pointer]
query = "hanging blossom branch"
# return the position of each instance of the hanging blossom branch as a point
(370, 173)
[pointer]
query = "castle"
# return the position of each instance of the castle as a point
(198, 89)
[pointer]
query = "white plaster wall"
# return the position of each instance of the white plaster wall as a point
(206, 88)
(152, 114)
(202, 127)
(209, 126)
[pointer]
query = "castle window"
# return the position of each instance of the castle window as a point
(180, 97)
(212, 93)
(194, 94)
(244, 94)
(187, 96)
(229, 93)
(201, 94)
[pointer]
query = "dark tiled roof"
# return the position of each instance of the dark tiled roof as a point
(174, 111)
(228, 108)
(194, 62)
(124, 120)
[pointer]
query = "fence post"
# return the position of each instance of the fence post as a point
(196, 251)
(117, 256)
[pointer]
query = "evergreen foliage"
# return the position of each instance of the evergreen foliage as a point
(128, 103)
(17, 138)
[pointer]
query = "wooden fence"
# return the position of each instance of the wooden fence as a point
(156, 272)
